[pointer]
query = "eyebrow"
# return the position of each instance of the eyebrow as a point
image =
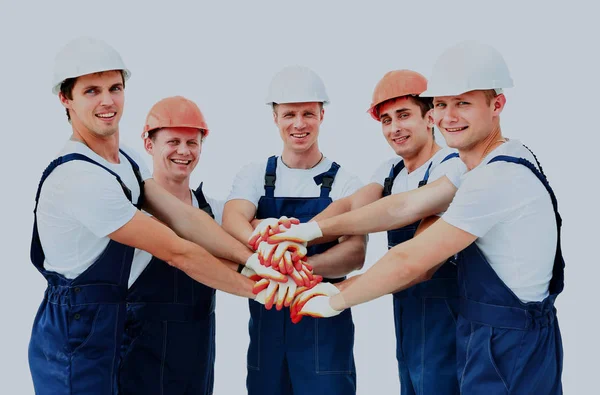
(401, 110)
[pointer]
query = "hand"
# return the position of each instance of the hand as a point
(261, 231)
(319, 307)
(302, 233)
(271, 255)
(268, 227)
(278, 294)
(322, 289)
(265, 272)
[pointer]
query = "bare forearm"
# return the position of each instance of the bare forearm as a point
(196, 226)
(337, 207)
(389, 213)
(237, 226)
(386, 276)
(341, 259)
(205, 268)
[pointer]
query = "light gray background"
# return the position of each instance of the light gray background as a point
(223, 54)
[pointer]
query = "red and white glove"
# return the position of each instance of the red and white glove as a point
(265, 272)
(272, 293)
(302, 233)
(269, 226)
(303, 305)
(271, 255)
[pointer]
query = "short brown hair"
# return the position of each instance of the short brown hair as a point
(66, 88)
(424, 103)
(490, 94)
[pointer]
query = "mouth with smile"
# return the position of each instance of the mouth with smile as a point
(183, 162)
(456, 130)
(107, 116)
(400, 140)
(299, 136)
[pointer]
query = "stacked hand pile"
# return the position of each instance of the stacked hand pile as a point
(283, 276)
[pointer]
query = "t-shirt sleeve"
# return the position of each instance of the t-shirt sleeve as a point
(453, 169)
(488, 196)
(95, 198)
(383, 171)
(248, 183)
(217, 208)
(351, 185)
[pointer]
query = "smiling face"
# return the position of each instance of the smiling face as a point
(96, 103)
(404, 127)
(175, 152)
(298, 125)
(468, 119)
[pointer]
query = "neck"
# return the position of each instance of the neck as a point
(422, 156)
(302, 160)
(178, 188)
(472, 157)
(106, 147)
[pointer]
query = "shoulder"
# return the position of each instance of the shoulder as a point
(257, 168)
(446, 162)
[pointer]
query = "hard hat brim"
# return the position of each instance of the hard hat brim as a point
(56, 87)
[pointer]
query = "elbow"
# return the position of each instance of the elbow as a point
(407, 271)
(360, 254)
(177, 253)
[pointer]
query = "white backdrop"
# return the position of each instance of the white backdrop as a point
(223, 54)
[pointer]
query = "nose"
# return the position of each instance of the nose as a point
(299, 122)
(183, 149)
(396, 125)
(450, 115)
(107, 99)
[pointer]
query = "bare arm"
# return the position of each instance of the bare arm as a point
(365, 195)
(237, 217)
(341, 259)
(145, 233)
(423, 225)
(404, 263)
(193, 224)
(393, 211)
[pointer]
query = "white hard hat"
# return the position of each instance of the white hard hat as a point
(85, 55)
(296, 84)
(468, 66)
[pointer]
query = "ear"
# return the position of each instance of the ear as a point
(322, 115)
(148, 145)
(498, 104)
(430, 121)
(64, 100)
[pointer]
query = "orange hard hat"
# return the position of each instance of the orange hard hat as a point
(175, 112)
(394, 84)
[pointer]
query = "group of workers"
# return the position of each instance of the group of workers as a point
(133, 259)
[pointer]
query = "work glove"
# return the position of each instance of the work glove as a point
(302, 233)
(297, 309)
(265, 272)
(268, 227)
(279, 294)
(271, 255)
(318, 307)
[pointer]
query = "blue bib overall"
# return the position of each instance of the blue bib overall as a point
(314, 356)
(425, 319)
(169, 341)
(505, 346)
(77, 332)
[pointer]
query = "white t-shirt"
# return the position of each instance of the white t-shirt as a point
(142, 258)
(80, 204)
(510, 211)
(249, 183)
(453, 168)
